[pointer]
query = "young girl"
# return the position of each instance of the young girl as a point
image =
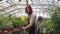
(39, 27)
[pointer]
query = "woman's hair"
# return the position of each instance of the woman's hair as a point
(40, 18)
(30, 9)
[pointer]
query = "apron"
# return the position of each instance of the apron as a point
(31, 30)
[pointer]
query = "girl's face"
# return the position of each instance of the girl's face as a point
(40, 21)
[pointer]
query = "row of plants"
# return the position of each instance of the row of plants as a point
(9, 21)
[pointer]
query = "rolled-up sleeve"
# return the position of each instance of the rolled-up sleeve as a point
(32, 19)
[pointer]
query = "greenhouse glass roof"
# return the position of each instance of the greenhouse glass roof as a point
(17, 7)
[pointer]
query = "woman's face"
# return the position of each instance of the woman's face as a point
(28, 10)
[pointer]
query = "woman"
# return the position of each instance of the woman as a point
(31, 20)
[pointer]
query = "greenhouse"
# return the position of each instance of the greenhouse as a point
(29, 16)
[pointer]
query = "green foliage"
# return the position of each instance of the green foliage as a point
(7, 21)
(53, 22)
(56, 19)
(48, 25)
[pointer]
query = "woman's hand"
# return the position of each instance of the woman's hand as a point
(23, 27)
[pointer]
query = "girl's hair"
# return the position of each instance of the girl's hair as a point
(40, 18)
(28, 6)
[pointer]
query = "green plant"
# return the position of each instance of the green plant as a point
(56, 19)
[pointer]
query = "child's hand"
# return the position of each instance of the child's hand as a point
(37, 29)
